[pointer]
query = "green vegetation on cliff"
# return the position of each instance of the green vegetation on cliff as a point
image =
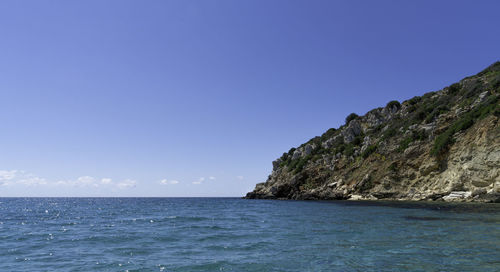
(403, 149)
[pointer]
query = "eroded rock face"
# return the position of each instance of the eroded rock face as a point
(366, 143)
(352, 130)
(308, 149)
(297, 154)
(374, 118)
(393, 156)
(329, 143)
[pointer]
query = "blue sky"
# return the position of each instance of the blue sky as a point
(196, 98)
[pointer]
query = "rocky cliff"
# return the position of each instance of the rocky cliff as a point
(444, 145)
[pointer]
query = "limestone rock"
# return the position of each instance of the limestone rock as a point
(352, 130)
(296, 154)
(308, 149)
(457, 196)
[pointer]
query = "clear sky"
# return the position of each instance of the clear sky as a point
(196, 98)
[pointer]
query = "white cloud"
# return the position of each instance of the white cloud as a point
(12, 177)
(166, 182)
(61, 182)
(128, 183)
(211, 178)
(15, 177)
(7, 175)
(85, 180)
(239, 177)
(32, 180)
(106, 181)
(196, 182)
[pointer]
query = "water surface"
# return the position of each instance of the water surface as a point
(230, 234)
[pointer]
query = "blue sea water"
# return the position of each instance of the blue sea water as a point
(230, 234)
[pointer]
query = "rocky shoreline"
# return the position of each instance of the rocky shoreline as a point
(442, 146)
(454, 196)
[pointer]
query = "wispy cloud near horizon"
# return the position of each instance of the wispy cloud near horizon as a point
(23, 178)
(166, 182)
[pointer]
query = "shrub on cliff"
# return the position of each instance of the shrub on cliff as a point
(350, 117)
(403, 145)
(358, 140)
(393, 103)
(349, 150)
(389, 133)
(298, 165)
(436, 112)
(454, 88)
(414, 100)
(445, 140)
(369, 150)
(328, 134)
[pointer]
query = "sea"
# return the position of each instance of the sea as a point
(232, 234)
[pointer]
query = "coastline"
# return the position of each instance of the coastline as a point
(441, 146)
(449, 197)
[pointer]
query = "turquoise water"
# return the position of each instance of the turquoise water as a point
(230, 234)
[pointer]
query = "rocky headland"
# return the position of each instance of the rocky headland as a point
(442, 146)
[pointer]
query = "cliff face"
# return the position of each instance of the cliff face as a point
(444, 145)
